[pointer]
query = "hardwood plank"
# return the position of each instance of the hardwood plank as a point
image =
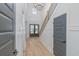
(36, 48)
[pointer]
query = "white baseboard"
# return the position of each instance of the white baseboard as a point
(51, 51)
(20, 53)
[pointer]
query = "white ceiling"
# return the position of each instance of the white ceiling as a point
(34, 12)
(35, 16)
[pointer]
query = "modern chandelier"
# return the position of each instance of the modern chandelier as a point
(39, 6)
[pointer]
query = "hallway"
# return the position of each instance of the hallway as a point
(36, 48)
(39, 29)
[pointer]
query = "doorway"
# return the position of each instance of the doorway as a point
(34, 30)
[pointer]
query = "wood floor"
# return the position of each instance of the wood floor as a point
(36, 48)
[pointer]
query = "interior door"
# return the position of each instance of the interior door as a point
(7, 33)
(34, 30)
(60, 35)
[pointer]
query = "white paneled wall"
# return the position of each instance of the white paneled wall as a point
(47, 36)
(20, 27)
(72, 11)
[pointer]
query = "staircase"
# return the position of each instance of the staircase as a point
(49, 14)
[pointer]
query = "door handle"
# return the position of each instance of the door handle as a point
(63, 41)
(15, 52)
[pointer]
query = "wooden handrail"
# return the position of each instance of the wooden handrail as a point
(47, 17)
